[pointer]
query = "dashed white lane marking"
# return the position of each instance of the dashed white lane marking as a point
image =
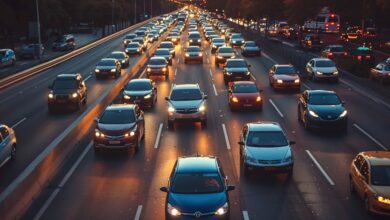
(175, 71)
(211, 72)
(87, 78)
(215, 90)
(24, 63)
(62, 183)
(138, 213)
(270, 58)
(318, 165)
(253, 77)
(245, 215)
(208, 61)
(158, 136)
(178, 60)
(306, 86)
(276, 108)
(288, 44)
(371, 137)
(226, 136)
(18, 123)
(142, 75)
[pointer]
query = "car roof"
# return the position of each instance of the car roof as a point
(264, 126)
(186, 86)
(121, 107)
(377, 158)
(283, 65)
(195, 164)
(140, 80)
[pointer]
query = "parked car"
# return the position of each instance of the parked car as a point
(121, 126)
(64, 42)
(7, 57)
(142, 92)
(108, 67)
(322, 69)
(369, 179)
(67, 90)
(381, 72)
(244, 95)
(197, 188)
(7, 144)
(264, 147)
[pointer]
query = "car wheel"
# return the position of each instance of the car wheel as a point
(203, 123)
(13, 152)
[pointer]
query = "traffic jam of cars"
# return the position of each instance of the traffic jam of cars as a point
(197, 186)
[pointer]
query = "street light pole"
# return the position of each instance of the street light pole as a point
(144, 11)
(112, 15)
(38, 30)
(135, 11)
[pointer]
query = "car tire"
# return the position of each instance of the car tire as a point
(170, 125)
(13, 152)
(203, 123)
(51, 109)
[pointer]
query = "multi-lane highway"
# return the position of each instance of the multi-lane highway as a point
(118, 185)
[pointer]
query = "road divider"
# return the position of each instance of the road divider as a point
(245, 215)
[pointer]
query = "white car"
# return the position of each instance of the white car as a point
(322, 69)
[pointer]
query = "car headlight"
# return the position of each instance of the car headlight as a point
(132, 132)
(126, 50)
(258, 99)
(383, 199)
(223, 210)
(279, 81)
(74, 95)
(235, 99)
(199, 40)
(126, 96)
(51, 95)
(123, 61)
(97, 71)
(124, 42)
(229, 73)
(148, 69)
(219, 57)
(172, 210)
(171, 109)
(336, 73)
(113, 70)
(187, 55)
(296, 81)
(148, 96)
(214, 46)
(202, 108)
(191, 40)
(98, 134)
(234, 42)
(343, 114)
(164, 69)
(200, 54)
(319, 73)
(313, 114)
(248, 73)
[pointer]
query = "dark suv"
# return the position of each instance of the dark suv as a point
(311, 42)
(65, 42)
(67, 90)
(197, 188)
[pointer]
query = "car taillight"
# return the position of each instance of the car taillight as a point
(359, 57)
(330, 54)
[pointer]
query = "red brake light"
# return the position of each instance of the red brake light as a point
(332, 23)
(330, 54)
(359, 57)
(332, 15)
(345, 54)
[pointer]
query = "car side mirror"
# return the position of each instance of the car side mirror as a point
(343, 102)
(241, 143)
(164, 189)
(292, 142)
(205, 96)
(230, 188)
(167, 98)
(96, 120)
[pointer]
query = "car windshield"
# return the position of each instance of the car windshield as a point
(64, 84)
(197, 183)
(133, 45)
(285, 70)
(250, 44)
(324, 63)
(117, 56)
(138, 86)
(380, 175)
(117, 116)
(107, 63)
(245, 88)
(387, 68)
(337, 49)
(236, 36)
(218, 40)
(194, 36)
(162, 52)
(186, 94)
(193, 49)
(236, 63)
(157, 62)
(225, 50)
(266, 139)
(166, 45)
(324, 99)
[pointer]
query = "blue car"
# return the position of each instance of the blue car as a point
(197, 189)
(7, 57)
(7, 144)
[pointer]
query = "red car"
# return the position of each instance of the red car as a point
(244, 95)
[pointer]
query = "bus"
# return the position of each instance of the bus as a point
(326, 22)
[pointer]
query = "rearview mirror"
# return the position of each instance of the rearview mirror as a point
(230, 188)
(164, 189)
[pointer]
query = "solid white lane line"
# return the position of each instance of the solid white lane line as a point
(369, 136)
(318, 165)
(215, 90)
(211, 73)
(62, 183)
(158, 136)
(18, 123)
(138, 213)
(288, 44)
(276, 108)
(142, 75)
(253, 77)
(226, 136)
(175, 71)
(245, 215)
(268, 57)
(87, 78)
(306, 86)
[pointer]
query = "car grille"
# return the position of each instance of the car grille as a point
(269, 161)
(329, 117)
(62, 97)
(187, 111)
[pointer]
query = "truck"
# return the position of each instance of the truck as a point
(325, 21)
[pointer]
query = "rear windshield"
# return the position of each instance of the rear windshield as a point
(133, 45)
(197, 183)
(334, 19)
(117, 117)
(129, 37)
(138, 86)
(266, 139)
(186, 94)
(236, 36)
(285, 70)
(162, 52)
(245, 88)
(337, 49)
(194, 36)
(324, 99)
(2, 53)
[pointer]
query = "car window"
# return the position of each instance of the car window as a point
(266, 139)
(120, 116)
(197, 183)
(4, 132)
(387, 68)
(117, 56)
(380, 175)
(225, 50)
(364, 169)
(324, 63)
(358, 161)
(133, 45)
(236, 63)
(337, 49)
(186, 94)
(157, 62)
(285, 70)
(64, 84)
(379, 67)
(107, 63)
(138, 86)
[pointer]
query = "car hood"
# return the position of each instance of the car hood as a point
(63, 91)
(191, 203)
(115, 129)
(326, 69)
(237, 70)
(383, 191)
(137, 93)
(287, 77)
(327, 111)
(268, 153)
(105, 67)
(186, 104)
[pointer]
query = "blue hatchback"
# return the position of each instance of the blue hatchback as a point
(197, 189)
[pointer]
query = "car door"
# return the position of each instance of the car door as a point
(362, 179)
(243, 137)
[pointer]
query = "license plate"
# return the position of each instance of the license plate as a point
(114, 142)
(247, 105)
(137, 101)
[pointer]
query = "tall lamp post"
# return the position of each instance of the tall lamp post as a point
(38, 30)
(112, 15)
(135, 11)
(144, 11)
